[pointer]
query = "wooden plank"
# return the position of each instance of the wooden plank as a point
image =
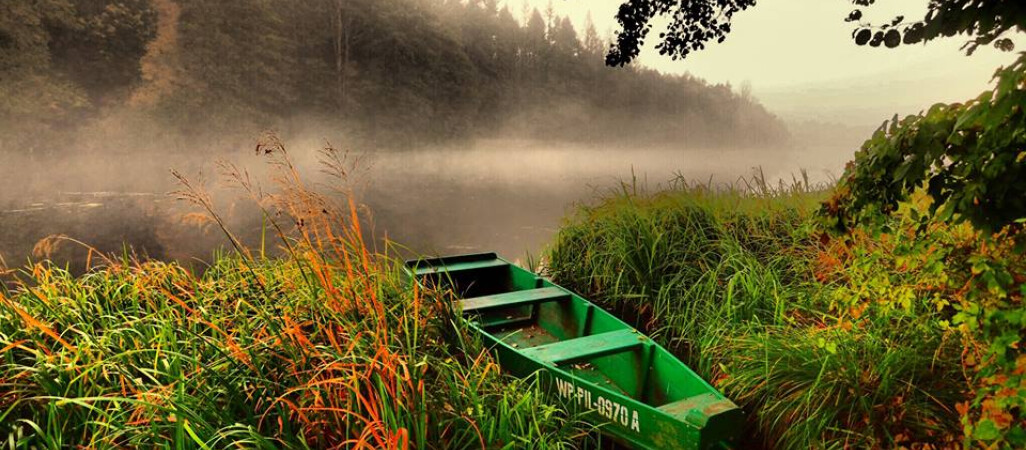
(459, 267)
(514, 299)
(448, 260)
(698, 409)
(588, 347)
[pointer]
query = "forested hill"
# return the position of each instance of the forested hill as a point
(407, 71)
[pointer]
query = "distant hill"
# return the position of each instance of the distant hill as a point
(402, 72)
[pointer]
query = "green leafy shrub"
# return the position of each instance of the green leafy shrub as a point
(838, 341)
(955, 164)
(969, 159)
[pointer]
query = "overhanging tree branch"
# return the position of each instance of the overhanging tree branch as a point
(694, 23)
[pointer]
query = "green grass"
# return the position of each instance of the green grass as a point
(681, 258)
(827, 342)
(150, 355)
(327, 347)
(866, 340)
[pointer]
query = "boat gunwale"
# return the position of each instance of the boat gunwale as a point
(559, 371)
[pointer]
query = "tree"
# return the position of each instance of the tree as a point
(593, 44)
(967, 157)
(564, 39)
(535, 31)
(238, 60)
(347, 25)
(507, 35)
(693, 23)
(535, 41)
(24, 33)
(102, 48)
(409, 71)
(32, 96)
(986, 21)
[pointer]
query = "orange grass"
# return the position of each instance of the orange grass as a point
(327, 347)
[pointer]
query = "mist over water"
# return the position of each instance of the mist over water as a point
(477, 128)
(501, 195)
(525, 119)
(510, 196)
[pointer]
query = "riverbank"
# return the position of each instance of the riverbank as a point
(869, 338)
(329, 347)
(321, 343)
(864, 340)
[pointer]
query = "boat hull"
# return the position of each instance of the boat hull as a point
(631, 387)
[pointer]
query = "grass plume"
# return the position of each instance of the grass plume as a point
(326, 347)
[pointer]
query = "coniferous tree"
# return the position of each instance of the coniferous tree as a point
(401, 71)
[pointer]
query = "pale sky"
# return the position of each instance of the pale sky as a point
(802, 63)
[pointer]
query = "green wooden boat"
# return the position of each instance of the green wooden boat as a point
(641, 394)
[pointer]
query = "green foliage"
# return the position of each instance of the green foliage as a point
(960, 163)
(101, 47)
(991, 315)
(252, 355)
(861, 340)
(58, 58)
(402, 72)
(967, 157)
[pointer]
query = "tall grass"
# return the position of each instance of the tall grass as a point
(328, 347)
(741, 284)
(682, 257)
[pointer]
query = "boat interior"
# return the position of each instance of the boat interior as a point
(556, 327)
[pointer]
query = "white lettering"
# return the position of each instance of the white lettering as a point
(605, 408)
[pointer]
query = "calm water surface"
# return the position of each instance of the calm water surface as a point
(501, 196)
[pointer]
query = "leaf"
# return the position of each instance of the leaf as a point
(902, 172)
(962, 408)
(1005, 45)
(892, 38)
(863, 36)
(986, 430)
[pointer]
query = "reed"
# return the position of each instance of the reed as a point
(827, 342)
(327, 347)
